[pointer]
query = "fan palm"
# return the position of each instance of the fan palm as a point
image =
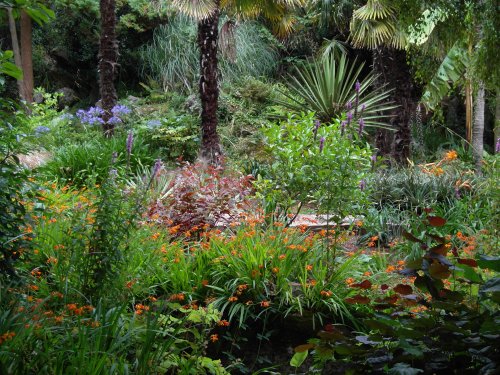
(207, 13)
(327, 85)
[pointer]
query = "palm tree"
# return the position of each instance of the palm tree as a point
(375, 26)
(108, 57)
(208, 12)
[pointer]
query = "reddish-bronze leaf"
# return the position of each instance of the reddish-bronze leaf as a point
(439, 249)
(384, 286)
(437, 238)
(468, 262)
(436, 221)
(390, 300)
(303, 348)
(411, 237)
(365, 284)
(403, 289)
(439, 271)
(358, 299)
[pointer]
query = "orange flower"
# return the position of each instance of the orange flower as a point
(309, 267)
(450, 155)
(326, 293)
(204, 282)
(367, 273)
(265, 303)
(214, 337)
(390, 269)
(52, 260)
(276, 269)
(282, 256)
(223, 323)
(232, 299)
(155, 236)
(349, 281)
(312, 282)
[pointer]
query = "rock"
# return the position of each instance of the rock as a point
(38, 98)
(67, 99)
(192, 104)
(133, 99)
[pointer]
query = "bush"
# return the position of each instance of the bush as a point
(315, 164)
(201, 196)
(90, 162)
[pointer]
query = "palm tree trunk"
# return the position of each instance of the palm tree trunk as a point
(393, 71)
(27, 56)
(478, 131)
(209, 86)
(108, 57)
(15, 50)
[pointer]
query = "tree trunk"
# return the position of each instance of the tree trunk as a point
(478, 132)
(496, 128)
(15, 50)
(468, 112)
(209, 86)
(108, 57)
(390, 65)
(27, 56)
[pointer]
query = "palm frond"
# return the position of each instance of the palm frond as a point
(197, 9)
(374, 10)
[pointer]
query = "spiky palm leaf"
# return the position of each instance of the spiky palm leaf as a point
(375, 24)
(326, 86)
(197, 9)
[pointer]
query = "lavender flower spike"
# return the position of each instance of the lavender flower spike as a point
(348, 105)
(357, 86)
(316, 127)
(321, 144)
(342, 127)
(362, 185)
(361, 126)
(130, 142)
(349, 118)
(497, 147)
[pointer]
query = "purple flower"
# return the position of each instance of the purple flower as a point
(457, 193)
(348, 105)
(92, 116)
(316, 127)
(67, 117)
(321, 144)
(374, 158)
(361, 123)
(114, 120)
(357, 86)
(153, 124)
(362, 185)
(120, 110)
(342, 127)
(363, 107)
(349, 118)
(114, 157)
(130, 142)
(39, 130)
(157, 167)
(113, 173)
(497, 147)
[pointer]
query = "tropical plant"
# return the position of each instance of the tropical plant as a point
(171, 58)
(329, 87)
(208, 13)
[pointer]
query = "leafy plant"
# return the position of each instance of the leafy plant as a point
(201, 196)
(329, 87)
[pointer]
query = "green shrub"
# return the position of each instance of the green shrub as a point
(90, 162)
(316, 164)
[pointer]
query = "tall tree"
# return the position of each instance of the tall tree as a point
(27, 56)
(478, 130)
(22, 47)
(108, 63)
(208, 12)
(375, 26)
